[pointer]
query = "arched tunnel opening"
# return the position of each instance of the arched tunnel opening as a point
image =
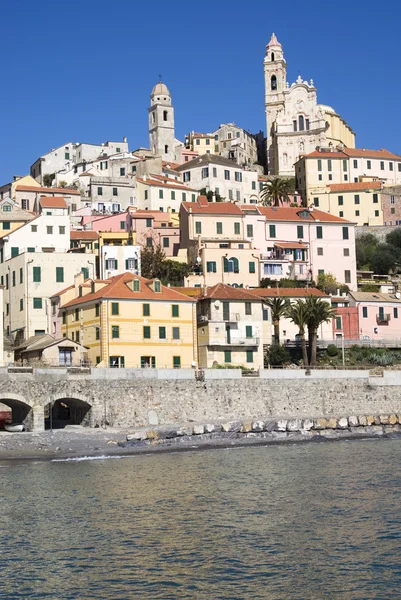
(67, 411)
(15, 411)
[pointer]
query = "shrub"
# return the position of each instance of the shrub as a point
(278, 355)
(332, 350)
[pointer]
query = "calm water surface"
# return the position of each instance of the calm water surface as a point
(303, 522)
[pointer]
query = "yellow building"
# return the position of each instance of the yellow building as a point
(202, 143)
(12, 217)
(129, 321)
(359, 202)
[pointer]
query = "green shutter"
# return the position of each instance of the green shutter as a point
(175, 310)
(248, 330)
(177, 362)
(252, 267)
(146, 310)
(225, 264)
(14, 252)
(227, 356)
(114, 308)
(162, 333)
(249, 356)
(272, 231)
(59, 274)
(146, 332)
(237, 228)
(36, 274)
(300, 231)
(85, 271)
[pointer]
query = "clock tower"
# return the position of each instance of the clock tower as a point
(275, 69)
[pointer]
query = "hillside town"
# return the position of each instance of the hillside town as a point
(218, 250)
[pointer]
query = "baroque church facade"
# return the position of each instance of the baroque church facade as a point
(295, 123)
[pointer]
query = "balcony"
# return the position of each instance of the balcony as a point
(383, 319)
(234, 341)
(223, 318)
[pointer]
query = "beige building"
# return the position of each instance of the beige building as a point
(129, 321)
(50, 351)
(213, 237)
(230, 328)
(27, 195)
(12, 217)
(162, 193)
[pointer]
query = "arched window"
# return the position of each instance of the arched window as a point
(153, 117)
(272, 56)
(273, 82)
(165, 114)
(231, 265)
(166, 149)
(301, 123)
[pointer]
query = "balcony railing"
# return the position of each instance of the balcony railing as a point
(234, 341)
(220, 318)
(382, 319)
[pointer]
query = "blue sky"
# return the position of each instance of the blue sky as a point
(82, 71)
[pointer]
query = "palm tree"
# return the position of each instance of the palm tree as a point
(275, 191)
(278, 307)
(297, 313)
(318, 311)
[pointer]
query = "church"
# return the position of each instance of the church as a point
(161, 124)
(295, 123)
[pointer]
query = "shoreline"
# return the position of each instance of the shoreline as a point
(65, 445)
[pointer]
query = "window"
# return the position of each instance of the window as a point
(272, 231)
(254, 185)
(133, 169)
(21, 275)
(198, 227)
(399, 167)
(219, 227)
(146, 332)
(21, 304)
(346, 251)
(347, 276)
(238, 176)
(49, 230)
(115, 331)
(122, 224)
(320, 177)
(227, 175)
(100, 191)
(193, 198)
(173, 195)
(162, 333)
(391, 166)
(319, 232)
(345, 233)
(149, 242)
(237, 228)
(114, 308)
(187, 176)
(307, 124)
(207, 141)
(146, 195)
(341, 213)
(97, 333)
(6, 225)
(316, 202)
(211, 267)
(365, 312)
(357, 213)
(14, 252)
(356, 199)
(97, 310)
(184, 196)
(137, 285)
(294, 125)
(25, 204)
(392, 199)
(301, 123)
(382, 165)
(64, 312)
(300, 231)
(375, 198)
(176, 333)
(377, 212)
(227, 356)
(395, 312)
(176, 362)
(273, 83)
(205, 172)
(369, 164)
(249, 356)
(13, 278)
(118, 150)
(329, 165)
(252, 267)
(320, 272)
(339, 324)
(355, 164)
(146, 310)
(148, 222)
(61, 230)
(230, 195)
(319, 165)
(122, 171)
(320, 251)
(231, 265)
(175, 310)
(166, 242)
(115, 191)
(160, 194)
(157, 286)
(36, 274)
(59, 274)
(248, 308)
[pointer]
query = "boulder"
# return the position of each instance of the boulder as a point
(384, 420)
(270, 425)
(362, 420)
(294, 425)
(198, 430)
(307, 424)
(393, 420)
(353, 421)
(246, 426)
(258, 426)
(332, 423)
(321, 423)
(167, 433)
(209, 428)
(377, 420)
(342, 423)
(282, 425)
(370, 420)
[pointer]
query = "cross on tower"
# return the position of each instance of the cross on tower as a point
(160, 77)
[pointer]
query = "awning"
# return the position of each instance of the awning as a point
(291, 245)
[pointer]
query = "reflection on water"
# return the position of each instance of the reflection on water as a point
(302, 522)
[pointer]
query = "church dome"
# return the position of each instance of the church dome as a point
(327, 109)
(160, 89)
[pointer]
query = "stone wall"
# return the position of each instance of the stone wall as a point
(131, 400)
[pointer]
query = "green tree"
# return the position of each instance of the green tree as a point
(394, 238)
(370, 287)
(329, 284)
(151, 261)
(278, 355)
(318, 311)
(298, 314)
(366, 247)
(278, 307)
(48, 179)
(384, 260)
(275, 191)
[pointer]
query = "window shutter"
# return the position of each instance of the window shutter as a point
(126, 263)
(107, 263)
(116, 261)
(225, 263)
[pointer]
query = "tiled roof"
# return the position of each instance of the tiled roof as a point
(357, 186)
(203, 207)
(46, 190)
(117, 288)
(84, 235)
(317, 154)
(287, 292)
(176, 186)
(222, 291)
(202, 135)
(354, 153)
(206, 159)
(286, 213)
(374, 297)
(52, 202)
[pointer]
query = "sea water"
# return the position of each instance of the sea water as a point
(285, 522)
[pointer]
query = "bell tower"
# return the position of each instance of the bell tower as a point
(275, 69)
(161, 123)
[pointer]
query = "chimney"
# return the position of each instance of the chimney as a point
(125, 139)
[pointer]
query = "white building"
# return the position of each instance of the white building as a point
(295, 122)
(27, 196)
(161, 124)
(119, 259)
(236, 144)
(221, 176)
(162, 193)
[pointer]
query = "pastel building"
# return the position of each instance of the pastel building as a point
(213, 237)
(391, 205)
(129, 321)
(230, 324)
(26, 196)
(12, 216)
(164, 194)
(379, 315)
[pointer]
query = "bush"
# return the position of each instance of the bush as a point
(332, 350)
(278, 355)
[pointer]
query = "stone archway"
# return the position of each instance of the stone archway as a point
(21, 409)
(64, 410)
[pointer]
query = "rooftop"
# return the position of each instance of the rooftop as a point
(357, 186)
(47, 190)
(202, 206)
(286, 213)
(52, 202)
(374, 297)
(207, 159)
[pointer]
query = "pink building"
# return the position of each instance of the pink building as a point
(379, 315)
(117, 223)
(154, 227)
